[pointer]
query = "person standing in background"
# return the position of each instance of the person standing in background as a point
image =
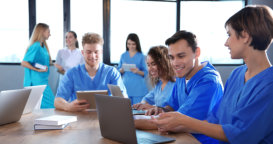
(38, 54)
(134, 80)
(71, 55)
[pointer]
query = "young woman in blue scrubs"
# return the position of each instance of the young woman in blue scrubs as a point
(134, 80)
(162, 77)
(244, 115)
(38, 53)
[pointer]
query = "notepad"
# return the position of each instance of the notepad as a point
(55, 120)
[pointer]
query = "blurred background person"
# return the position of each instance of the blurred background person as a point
(69, 56)
(37, 61)
(134, 79)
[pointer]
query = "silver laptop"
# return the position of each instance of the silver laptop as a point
(117, 123)
(115, 90)
(12, 104)
(34, 97)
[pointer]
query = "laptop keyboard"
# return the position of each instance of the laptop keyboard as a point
(145, 141)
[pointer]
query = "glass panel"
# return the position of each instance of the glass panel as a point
(51, 13)
(153, 22)
(207, 20)
(14, 30)
(86, 16)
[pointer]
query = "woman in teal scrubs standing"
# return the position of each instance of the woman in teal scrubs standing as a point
(38, 54)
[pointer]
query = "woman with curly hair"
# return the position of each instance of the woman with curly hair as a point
(162, 78)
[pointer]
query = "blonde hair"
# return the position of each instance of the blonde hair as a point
(92, 38)
(37, 36)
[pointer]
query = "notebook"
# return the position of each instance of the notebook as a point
(12, 104)
(89, 96)
(34, 97)
(117, 123)
(49, 127)
(55, 120)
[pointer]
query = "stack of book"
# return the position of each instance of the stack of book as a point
(53, 122)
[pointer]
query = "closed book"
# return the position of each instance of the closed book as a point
(49, 127)
(55, 120)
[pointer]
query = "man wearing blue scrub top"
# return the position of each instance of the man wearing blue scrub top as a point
(93, 75)
(198, 87)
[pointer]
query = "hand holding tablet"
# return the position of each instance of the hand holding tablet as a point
(128, 67)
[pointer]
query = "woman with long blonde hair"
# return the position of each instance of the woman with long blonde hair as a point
(37, 61)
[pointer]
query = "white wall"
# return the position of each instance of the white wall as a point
(12, 77)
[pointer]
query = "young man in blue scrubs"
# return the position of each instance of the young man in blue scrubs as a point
(244, 115)
(93, 75)
(198, 87)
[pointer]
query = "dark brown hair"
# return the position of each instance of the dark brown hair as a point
(75, 36)
(257, 21)
(133, 37)
(185, 35)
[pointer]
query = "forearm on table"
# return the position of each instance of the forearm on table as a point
(61, 104)
(203, 127)
(144, 124)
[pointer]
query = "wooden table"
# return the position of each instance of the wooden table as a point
(85, 131)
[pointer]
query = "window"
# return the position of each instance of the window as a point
(51, 13)
(14, 30)
(153, 22)
(206, 20)
(86, 16)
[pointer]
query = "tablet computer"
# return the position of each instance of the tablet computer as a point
(90, 96)
(127, 67)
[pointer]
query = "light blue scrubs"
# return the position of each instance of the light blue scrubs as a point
(245, 111)
(134, 83)
(198, 97)
(38, 54)
(78, 79)
(159, 97)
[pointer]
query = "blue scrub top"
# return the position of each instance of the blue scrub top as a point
(245, 111)
(36, 54)
(198, 97)
(78, 79)
(159, 97)
(134, 83)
